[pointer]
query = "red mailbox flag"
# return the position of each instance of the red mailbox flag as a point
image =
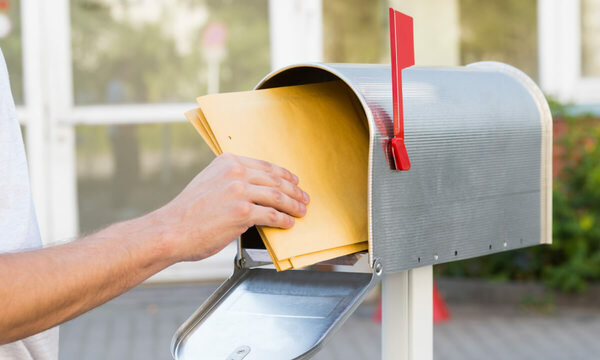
(403, 56)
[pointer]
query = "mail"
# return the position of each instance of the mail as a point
(318, 132)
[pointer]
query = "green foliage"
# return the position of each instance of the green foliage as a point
(574, 258)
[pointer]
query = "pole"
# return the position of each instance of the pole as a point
(296, 31)
(213, 76)
(407, 315)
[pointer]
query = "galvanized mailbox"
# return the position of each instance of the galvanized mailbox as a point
(479, 139)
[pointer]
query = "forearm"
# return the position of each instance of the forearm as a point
(43, 288)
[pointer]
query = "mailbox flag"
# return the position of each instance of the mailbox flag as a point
(403, 55)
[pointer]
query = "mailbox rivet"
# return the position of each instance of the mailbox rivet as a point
(378, 268)
(505, 244)
(239, 353)
(435, 257)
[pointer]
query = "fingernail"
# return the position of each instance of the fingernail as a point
(305, 197)
(302, 208)
(295, 178)
(291, 220)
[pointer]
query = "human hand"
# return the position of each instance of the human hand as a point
(230, 195)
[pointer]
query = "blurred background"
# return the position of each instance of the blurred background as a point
(101, 87)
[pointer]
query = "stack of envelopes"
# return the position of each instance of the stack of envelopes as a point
(317, 131)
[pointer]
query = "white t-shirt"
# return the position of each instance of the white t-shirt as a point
(18, 224)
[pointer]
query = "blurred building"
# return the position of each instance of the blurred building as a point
(101, 85)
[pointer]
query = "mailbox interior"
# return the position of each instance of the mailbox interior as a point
(250, 245)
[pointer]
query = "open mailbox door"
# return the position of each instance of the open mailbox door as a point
(263, 314)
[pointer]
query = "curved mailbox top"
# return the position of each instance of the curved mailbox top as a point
(479, 138)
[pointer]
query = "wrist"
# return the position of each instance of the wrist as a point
(160, 237)
(147, 240)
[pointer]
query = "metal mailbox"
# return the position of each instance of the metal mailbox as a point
(479, 139)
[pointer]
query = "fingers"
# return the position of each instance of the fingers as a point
(270, 193)
(258, 177)
(269, 168)
(267, 216)
(275, 198)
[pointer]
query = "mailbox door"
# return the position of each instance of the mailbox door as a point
(263, 314)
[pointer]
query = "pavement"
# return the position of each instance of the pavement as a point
(140, 324)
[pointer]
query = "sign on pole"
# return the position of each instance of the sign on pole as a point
(214, 40)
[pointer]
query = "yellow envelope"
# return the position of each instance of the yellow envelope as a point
(317, 132)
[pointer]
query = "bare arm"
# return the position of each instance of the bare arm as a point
(43, 288)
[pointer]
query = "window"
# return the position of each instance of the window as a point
(151, 52)
(124, 171)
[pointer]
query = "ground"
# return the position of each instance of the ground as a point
(140, 324)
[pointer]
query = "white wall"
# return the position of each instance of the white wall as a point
(436, 30)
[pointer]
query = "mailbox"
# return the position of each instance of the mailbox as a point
(479, 139)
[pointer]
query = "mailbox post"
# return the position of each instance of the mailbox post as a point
(407, 315)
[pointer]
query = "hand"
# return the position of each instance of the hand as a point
(230, 195)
